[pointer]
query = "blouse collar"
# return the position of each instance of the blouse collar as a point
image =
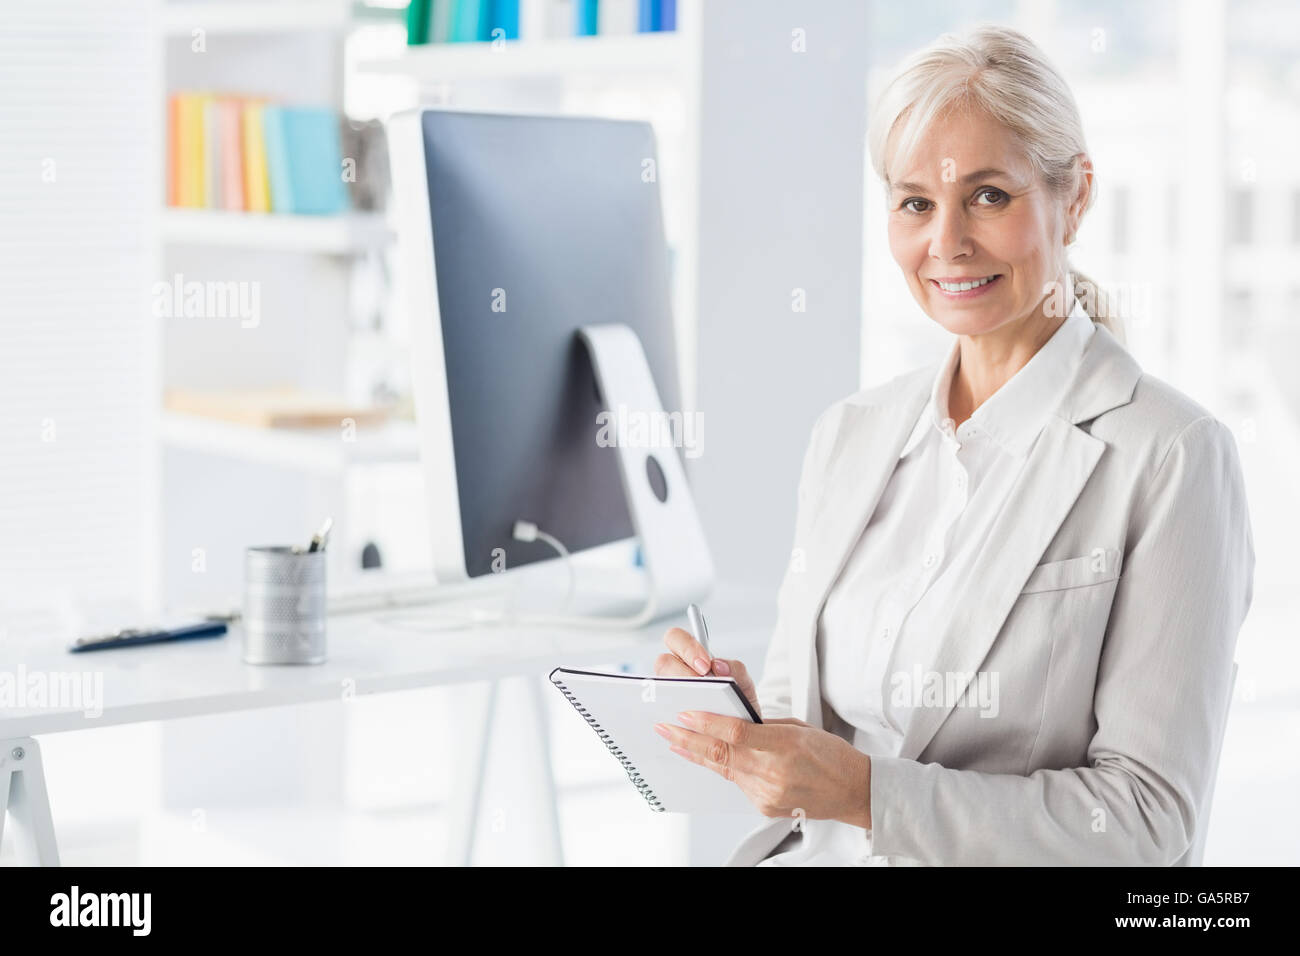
(1014, 414)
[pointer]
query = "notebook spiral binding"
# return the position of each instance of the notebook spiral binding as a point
(642, 787)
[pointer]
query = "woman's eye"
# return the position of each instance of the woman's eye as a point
(907, 205)
(997, 194)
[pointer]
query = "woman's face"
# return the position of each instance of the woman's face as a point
(967, 209)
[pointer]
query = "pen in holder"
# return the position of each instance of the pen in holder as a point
(284, 606)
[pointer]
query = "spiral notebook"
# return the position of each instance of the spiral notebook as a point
(623, 709)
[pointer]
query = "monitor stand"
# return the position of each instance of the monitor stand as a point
(678, 566)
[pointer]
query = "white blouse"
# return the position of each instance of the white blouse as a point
(878, 629)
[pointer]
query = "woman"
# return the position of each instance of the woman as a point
(1007, 630)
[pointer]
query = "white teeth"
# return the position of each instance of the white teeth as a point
(964, 286)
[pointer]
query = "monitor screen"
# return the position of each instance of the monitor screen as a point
(541, 225)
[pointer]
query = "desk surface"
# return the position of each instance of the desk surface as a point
(367, 654)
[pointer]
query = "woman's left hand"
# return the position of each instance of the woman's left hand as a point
(786, 767)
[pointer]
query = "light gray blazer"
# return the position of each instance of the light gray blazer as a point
(1116, 581)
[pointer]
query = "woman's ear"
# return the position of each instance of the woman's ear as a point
(1081, 199)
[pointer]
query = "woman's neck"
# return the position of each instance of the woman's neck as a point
(987, 362)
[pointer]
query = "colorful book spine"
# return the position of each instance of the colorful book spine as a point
(441, 20)
(257, 185)
(173, 149)
(505, 17)
(667, 15)
(417, 22)
(648, 16)
(232, 157)
(312, 160)
(211, 154)
(584, 18)
(190, 189)
(472, 21)
(278, 171)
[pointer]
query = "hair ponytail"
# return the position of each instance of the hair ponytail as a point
(1096, 303)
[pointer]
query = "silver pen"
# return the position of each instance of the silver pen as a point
(699, 630)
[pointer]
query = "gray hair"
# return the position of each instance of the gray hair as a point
(1002, 73)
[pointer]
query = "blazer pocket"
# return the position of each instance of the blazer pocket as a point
(1102, 565)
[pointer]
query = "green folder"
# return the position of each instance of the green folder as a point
(417, 23)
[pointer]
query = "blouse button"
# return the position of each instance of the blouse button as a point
(930, 559)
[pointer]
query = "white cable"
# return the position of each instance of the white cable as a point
(475, 616)
(527, 531)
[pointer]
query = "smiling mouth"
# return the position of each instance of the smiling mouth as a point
(965, 285)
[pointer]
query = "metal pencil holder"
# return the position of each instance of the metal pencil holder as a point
(284, 606)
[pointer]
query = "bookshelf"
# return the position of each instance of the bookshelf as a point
(326, 235)
(325, 52)
(249, 17)
(297, 449)
(308, 267)
(305, 268)
(663, 55)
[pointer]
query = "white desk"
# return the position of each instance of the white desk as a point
(366, 656)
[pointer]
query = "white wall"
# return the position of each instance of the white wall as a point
(781, 144)
(78, 169)
(781, 163)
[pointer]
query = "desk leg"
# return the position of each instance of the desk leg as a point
(24, 799)
(546, 791)
(467, 795)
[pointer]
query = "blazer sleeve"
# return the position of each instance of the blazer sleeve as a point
(1162, 688)
(773, 689)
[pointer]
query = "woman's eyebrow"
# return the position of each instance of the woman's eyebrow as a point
(988, 172)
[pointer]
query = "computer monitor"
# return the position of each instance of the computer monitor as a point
(516, 232)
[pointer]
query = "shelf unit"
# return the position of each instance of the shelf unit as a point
(305, 271)
(226, 486)
(313, 451)
(249, 17)
(327, 235)
(660, 54)
(314, 51)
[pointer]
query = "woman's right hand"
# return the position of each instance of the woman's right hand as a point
(688, 658)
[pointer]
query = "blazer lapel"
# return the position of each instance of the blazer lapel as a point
(861, 459)
(863, 453)
(1058, 466)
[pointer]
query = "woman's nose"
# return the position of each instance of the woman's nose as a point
(949, 236)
